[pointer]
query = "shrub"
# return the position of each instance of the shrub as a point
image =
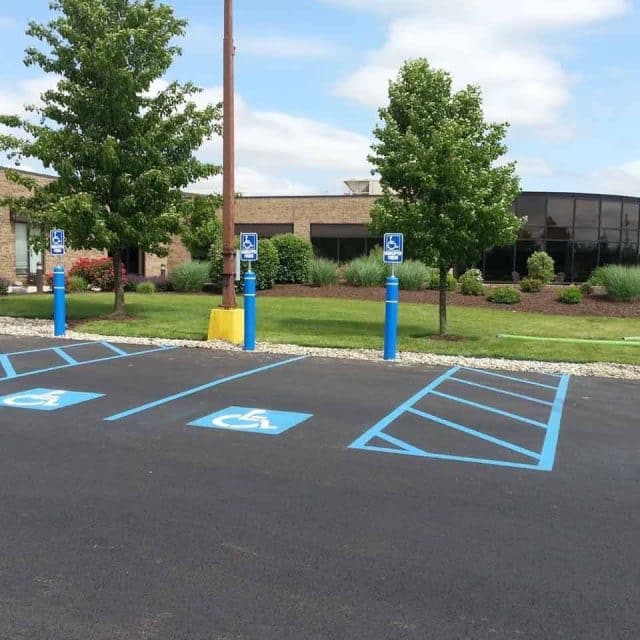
(266, 268)
(4, 286)
(160, 283)
(295, 255)
(365, 272)
(77, 283)
(531, 285)
(504, 295)
(586, 288)
(98, 272)
(190, 276)
(540, 266)
(412, 275)
(145, 287)
(596, 277)
(621, 283)
(570, 295)
(471, 283)
(323, 273)
(434, 280)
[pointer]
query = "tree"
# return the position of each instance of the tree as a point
(201, 230)
(122, 149)
(442, 183)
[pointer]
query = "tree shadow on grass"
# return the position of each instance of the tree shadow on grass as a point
(339, 327)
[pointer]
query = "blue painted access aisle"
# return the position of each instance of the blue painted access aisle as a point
(492, 386)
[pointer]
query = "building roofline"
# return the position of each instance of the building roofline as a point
(360, 196)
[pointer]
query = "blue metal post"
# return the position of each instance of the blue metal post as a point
(59, 302)
(249, 311)
(391, 319)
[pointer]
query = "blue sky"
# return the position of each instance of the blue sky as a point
(311, 74)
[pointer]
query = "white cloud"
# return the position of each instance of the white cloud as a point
(250, 182)
(14, 98)
(6, 22)
(623, 179)
(497, 44)
(284, 46)
(528, 167)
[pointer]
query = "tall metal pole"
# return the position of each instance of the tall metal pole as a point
(228, 165)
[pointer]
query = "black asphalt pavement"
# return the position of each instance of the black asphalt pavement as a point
(397, 503)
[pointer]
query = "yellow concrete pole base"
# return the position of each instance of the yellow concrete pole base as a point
(227, 325)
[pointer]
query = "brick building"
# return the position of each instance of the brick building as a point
(580, 231)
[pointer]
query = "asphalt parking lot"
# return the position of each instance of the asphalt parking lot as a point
(161, 493)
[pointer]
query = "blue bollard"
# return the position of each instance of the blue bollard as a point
(59, 302)
(391, 319)
(249, 311)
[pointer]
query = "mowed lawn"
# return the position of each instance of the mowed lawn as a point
(349, 324)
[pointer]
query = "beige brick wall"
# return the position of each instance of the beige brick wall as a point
(302, 212)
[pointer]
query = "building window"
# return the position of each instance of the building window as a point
(560, 218)
(498, 264)
(533, 206)
(585, 260)
(263, 230)
(22, 248)
(610, 214)
(587, 212)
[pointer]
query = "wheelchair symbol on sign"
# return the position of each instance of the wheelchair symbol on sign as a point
(254, 419)
(392, 245)
(49, 399)
(247, 244)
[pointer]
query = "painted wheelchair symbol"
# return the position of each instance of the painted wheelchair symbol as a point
(49, 399)
(254, 419)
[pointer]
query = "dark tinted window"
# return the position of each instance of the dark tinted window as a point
(585, 260)
(629, 253)
(560, 251)
(350, 248)
(630, 214)
(533, 207)
(325, 247)
(498, 264)
(263, 230)
(609, 253)
(585, 234)
(611, 212)
(587, 212)
(531, 233)
(524, 249)
(560, 212)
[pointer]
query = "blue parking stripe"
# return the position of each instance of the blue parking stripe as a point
(66, 346)
(113, 348)
(523, 380)
(485, 407)
(503, 391)
(9, 371)
(398, 411)
(65, 356)
(476, 434)
(553, 432)
(203, 387)
(80, 364)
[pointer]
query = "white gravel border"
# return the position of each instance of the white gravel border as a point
(44, 329)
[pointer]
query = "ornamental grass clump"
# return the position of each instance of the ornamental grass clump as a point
(323, 272)
(622, 284)
(365, 272)
(146, 287)
(412, 275)
(190, 276)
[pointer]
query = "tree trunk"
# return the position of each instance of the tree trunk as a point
(118, 288)
(443, 301)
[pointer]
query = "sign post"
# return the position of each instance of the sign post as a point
(57, 248)
(249, 253)
(393, 253)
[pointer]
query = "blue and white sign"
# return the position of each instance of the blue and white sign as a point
(393, 248)
(249, 247)
(56, 242)
(248, 420)
(46, 399)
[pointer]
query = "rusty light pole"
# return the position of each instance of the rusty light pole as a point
(228, 164)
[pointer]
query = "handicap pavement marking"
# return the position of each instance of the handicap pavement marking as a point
(46, 399)
(251, 420)
(542, 460)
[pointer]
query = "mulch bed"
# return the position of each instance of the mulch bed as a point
(543, 302)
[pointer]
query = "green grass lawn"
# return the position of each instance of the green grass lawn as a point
(349, 323)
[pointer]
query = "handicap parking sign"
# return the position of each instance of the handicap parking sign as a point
(56, 242)
(249, 247)
(46, 399)
(251, 420)
(393, 248)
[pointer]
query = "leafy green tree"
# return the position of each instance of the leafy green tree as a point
(201, 229)
(122, 149)
(439, 165)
